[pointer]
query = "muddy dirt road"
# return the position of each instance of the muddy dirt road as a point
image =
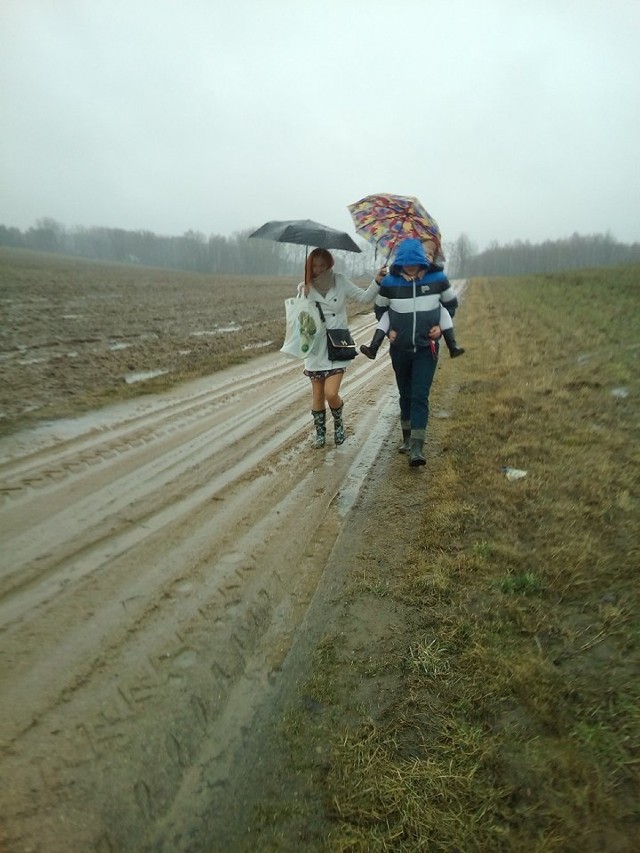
(158, 559)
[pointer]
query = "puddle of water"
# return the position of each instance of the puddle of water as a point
(186, 659)
(257, 346)
(131, 378)
(621, 393)
(219, 330)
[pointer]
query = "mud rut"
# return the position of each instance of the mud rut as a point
(158, 560)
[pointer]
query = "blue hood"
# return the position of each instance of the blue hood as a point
(410, 252)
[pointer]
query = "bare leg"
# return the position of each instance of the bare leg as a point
(318, 400)
(331, 390)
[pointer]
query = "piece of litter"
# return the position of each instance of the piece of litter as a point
(513, 473)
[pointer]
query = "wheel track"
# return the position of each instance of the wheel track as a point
(23, 467)
(127, 511)
(39, 468)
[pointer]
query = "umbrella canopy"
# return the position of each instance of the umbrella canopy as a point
(385, 219)
(305, 232)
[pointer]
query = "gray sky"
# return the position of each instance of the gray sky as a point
(508, 119)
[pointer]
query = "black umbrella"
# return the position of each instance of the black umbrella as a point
(305, 232)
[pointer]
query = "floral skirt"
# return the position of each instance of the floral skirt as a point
(322, 374)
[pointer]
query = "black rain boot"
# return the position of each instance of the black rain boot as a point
(320, 421)
(450, 341)
(405, 447)
(416, 456)
(338, 425)
(371, 351)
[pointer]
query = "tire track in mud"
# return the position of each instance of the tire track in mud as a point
(156, 567)
(38, 468)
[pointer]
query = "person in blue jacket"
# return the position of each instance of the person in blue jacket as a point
(435, 255)
(413, 292)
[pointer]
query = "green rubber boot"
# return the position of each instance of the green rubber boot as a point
(338, 425)
(320, 422)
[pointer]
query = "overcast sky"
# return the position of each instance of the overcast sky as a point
(508, 119)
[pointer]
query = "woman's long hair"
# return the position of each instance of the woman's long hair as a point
(308, 267)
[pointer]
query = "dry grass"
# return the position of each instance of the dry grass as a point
(516, 719)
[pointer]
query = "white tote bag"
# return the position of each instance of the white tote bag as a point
(303, 327)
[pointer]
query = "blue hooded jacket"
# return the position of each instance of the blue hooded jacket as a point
(414, 304)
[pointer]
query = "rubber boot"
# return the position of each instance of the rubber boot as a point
(320, 421)
(405, 447)
(338, 425)
(450, 341)
(416, 443)
(371, 351)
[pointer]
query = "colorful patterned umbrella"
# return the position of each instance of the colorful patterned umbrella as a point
(385, 219)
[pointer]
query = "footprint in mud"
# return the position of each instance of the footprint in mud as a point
(143, 798)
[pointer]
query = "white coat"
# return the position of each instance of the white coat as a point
(334, 308)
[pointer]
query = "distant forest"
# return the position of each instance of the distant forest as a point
(238, 255)
(525, 258)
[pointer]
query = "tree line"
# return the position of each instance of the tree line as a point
(239, 255)
(193, 251)
(525, 258)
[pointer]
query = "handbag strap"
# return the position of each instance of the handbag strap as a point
(320, 312)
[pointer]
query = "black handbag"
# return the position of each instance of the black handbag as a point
(340, 343)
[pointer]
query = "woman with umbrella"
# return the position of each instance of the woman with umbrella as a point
(331, 291)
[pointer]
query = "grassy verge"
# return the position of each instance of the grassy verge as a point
(513, 721)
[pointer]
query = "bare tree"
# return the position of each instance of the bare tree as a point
(461, 253)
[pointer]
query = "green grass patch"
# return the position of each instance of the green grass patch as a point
(523, 583)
